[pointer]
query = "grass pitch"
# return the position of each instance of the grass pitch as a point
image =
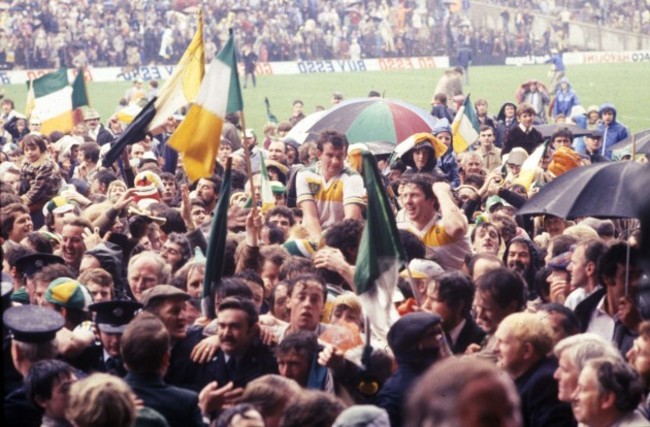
(625, 85)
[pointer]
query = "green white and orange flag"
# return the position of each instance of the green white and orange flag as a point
(199, 135)
(464, 127)
(79, 96)
(179, 90)
(50, 100)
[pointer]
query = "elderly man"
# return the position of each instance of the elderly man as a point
(169, 305)
(523, 343)
(573, 353)
(431, 214)
(146, 270)
(639, 358)
(329, 192)
(608, 393)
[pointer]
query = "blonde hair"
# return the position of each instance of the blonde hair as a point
(349, 300)
(101, 400)
(530, 327)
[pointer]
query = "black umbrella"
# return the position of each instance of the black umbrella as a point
(548, 130)
(641, 141)
(602, 190)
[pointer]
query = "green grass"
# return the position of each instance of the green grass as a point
(625, 85)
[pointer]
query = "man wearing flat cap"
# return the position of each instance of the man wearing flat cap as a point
(168, 303)
(96, 130)
(594, 145)
(33, 337)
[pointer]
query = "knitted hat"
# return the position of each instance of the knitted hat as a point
(68, 293)
(302, 247)
(57, 205)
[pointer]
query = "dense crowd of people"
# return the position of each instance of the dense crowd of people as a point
(50, 34)
(500, 319)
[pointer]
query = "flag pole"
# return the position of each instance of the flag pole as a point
(249, 170)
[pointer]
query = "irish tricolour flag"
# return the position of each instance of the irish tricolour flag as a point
(50, 100)
(465, 127)
(199, 134)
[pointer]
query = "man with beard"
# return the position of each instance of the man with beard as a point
(521, 256)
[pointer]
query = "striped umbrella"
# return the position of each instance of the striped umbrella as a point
(375, 119)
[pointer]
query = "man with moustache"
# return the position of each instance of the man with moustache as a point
(522, 256)
(241, 357)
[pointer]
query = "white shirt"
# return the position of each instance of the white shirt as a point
(577, 296)
(601, 323)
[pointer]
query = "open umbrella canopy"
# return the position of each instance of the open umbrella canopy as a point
(548, 130)
(375, 119)
(641, 141)
(300, 131)
(602, 190)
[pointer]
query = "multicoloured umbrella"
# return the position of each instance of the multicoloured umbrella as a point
(375, 119)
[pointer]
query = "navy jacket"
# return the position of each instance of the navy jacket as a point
(258, 361)
(470, 334)
(538, 390)
(180, 407)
